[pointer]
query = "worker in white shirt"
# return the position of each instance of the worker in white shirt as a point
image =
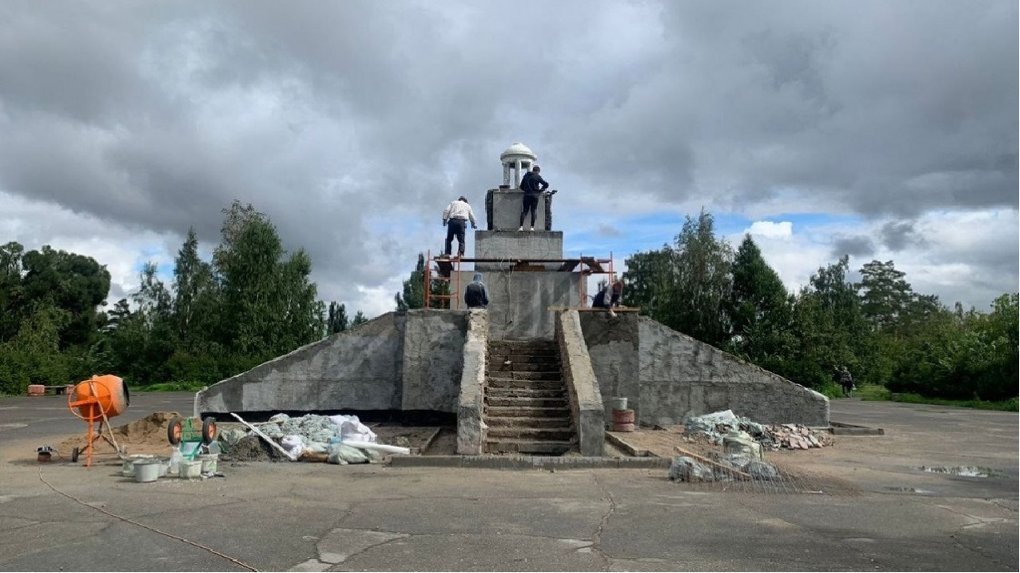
(455, 218)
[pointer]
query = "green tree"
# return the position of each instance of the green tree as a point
(70, 282)
(830, 330)
(701, 267)
(649, 280)
(759, 309)
(413, 294)
(885, 295)
(196, 298)
(359, 318)
(337, 320)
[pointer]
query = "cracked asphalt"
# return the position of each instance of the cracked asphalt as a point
(319, 517)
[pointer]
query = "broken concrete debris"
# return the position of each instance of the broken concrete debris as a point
(729, 467)
(717, 425)
(334, 439)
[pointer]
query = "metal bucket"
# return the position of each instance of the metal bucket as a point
(147, 470)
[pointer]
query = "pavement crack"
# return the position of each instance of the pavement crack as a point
(597, 536)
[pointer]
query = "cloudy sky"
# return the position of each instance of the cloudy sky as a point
(880, 129)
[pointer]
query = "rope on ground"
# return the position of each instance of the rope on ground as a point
(143, 526)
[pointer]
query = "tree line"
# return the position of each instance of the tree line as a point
(879, 328)
(251, 302)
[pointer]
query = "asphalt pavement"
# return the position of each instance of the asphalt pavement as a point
(906, 509)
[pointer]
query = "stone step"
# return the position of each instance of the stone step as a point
(551, 448)
(499, 382)
(528, 412)
(538, 376)
(533, 434)
(500, 366)
(501, 360)
(525, 392)
(562, 422)
(511, 352)
(518, 402)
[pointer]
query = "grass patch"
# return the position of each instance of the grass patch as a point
(876, 392)
(171, 387)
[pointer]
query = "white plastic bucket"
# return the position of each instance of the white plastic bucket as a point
(617, 403)
(147, 470)
(191, 469)
(127, 469)
(209, 463)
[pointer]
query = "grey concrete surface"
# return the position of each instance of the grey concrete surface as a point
(519, 301)
(582, 387)
(315, 517)
(409, 361)
(517, 245)
(668, 376)
(471, 400)
(506, 210)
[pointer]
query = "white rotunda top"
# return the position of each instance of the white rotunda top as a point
(516, 160)
(518, 148)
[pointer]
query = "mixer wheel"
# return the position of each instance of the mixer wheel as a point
(208, 430)
(175, 431)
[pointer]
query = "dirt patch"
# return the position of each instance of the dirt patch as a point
(445, 443)
(252, 449)
(417, 438)
(144, 436)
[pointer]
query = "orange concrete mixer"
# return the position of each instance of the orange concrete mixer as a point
(97, 400)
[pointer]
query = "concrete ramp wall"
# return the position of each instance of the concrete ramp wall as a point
(397, 361)
(668, 376)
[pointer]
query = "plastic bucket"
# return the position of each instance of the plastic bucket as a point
(127, 469)
(209, 462)
(617, 403)
(623, 417)
(147, 470)
(191, 469)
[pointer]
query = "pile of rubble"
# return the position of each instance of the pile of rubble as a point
(333, 439)
(716, 425)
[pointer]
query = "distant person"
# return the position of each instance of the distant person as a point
(617, 294)
(476, 295)
(455, 219)
(847, 382)
(604, 299)
(533, 185)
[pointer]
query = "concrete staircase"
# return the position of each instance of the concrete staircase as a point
(526, 405)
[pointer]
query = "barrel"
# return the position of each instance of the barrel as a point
(623, 416)
(623, 427)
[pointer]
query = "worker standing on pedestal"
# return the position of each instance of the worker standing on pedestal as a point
(455, 219)
(532, 184)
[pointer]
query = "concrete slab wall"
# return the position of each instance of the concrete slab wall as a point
(432, 359)
(524, 245)
(668, 376)
(505, 214)
(613, 348)
(471, 430)
(682, 377)
(518, 301)
(582, 385)
(360, 369)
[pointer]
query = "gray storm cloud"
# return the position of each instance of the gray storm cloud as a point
(352, 123)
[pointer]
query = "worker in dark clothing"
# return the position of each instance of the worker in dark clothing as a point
(617, 290)
(533, 185)
(846, 380)
(476, 295)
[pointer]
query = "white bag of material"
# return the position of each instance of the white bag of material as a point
(344, 454)
(351, 429)
(294, 444)
(279, 418)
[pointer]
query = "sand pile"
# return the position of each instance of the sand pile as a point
(144, 436)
